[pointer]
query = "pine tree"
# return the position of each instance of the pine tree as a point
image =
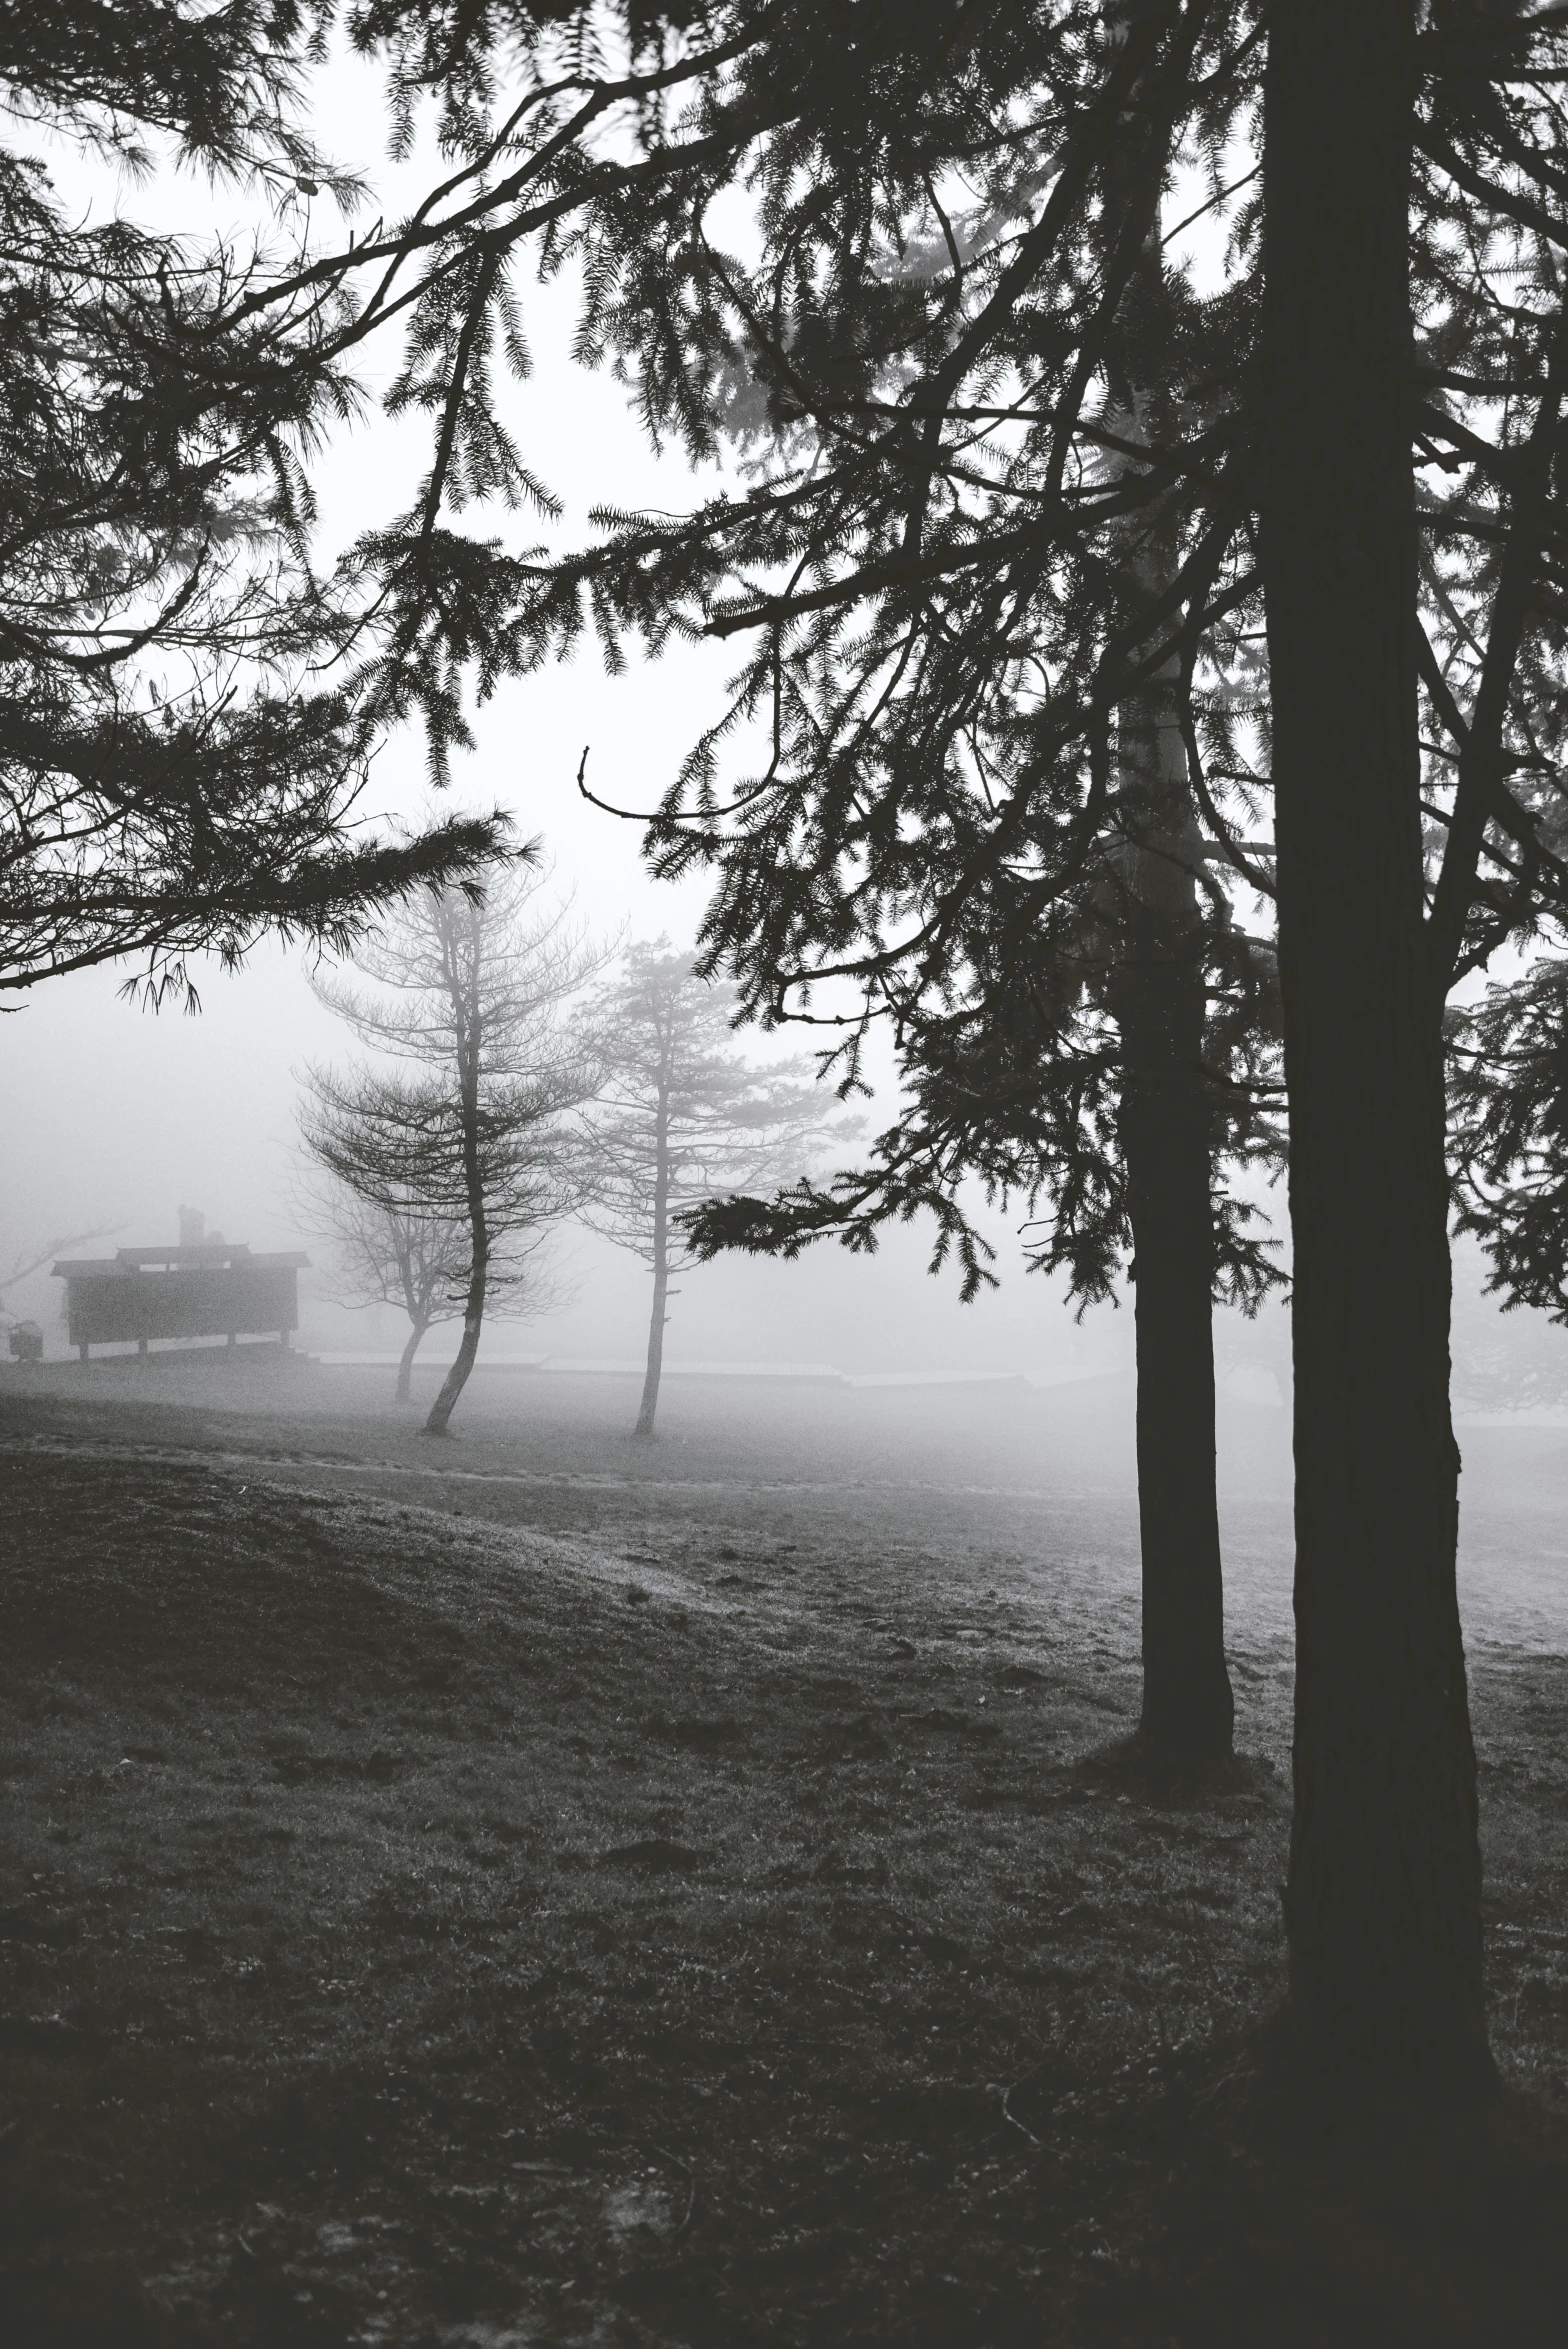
(1508, 1105)
(470, 1125)
(189, 701)
(1150, 954)
(1359, 456)
(172, 779)
(679, 1116)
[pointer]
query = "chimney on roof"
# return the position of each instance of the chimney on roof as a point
(193, 1225)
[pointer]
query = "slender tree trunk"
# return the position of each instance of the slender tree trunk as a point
(468, 1345)
(661, 1272)
(1383, 1901)
(479, 1232)
(405, 1368)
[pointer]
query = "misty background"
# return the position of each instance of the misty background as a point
(116, 1115)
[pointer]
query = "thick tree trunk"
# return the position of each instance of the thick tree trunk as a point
(405, 1368)
(1383, 1901)
(661, 1274)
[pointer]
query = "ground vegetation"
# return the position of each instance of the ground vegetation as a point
(689, 1900)
(929, 571)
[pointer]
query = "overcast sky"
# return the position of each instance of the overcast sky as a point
(116, 1115)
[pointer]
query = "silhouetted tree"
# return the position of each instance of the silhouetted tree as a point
(1118, 1072)
(471, 1126)
(1508, 1109)
(1383, 1898)
(931, 564)
(679, 1116)
(188, 704)
(174, 777)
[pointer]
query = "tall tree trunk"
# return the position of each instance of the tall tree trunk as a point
(1159, 998)
(405, 1368)
(661, 1272)
(1160, 1001)
(1383, 1901)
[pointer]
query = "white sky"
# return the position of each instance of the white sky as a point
(115, 1115)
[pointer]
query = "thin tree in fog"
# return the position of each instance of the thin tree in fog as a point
(405, 1256)
(681, 1115)
(470, 1126)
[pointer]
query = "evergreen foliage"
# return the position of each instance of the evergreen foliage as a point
(966, 421)
(1508, 1109)
(171, 779)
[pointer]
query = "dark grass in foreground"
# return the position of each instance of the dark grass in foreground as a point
(418, 1930)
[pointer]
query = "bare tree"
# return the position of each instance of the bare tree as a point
(412, 1258)
(679, 1117)
(28, 1263)
(469, 1127)
(385, 1255)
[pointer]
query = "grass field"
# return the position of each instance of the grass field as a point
(539, 1890)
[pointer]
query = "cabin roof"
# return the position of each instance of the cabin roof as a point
(226, 1256)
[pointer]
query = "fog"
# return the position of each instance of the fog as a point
(117, 1115)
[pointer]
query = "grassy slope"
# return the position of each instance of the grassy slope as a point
(417, 1928)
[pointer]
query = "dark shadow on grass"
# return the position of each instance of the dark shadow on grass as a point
(1167, 1780)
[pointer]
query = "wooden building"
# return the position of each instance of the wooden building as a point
(211, 1290)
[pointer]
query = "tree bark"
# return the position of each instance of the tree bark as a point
(1161, 1003)
(405, 1368)
(1159, 998)
(1383, 1901)
(661, 1271)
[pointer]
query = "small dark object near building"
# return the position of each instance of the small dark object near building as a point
(209, 1291)
(26, 1341)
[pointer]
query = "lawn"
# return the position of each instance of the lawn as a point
(539, 1892)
